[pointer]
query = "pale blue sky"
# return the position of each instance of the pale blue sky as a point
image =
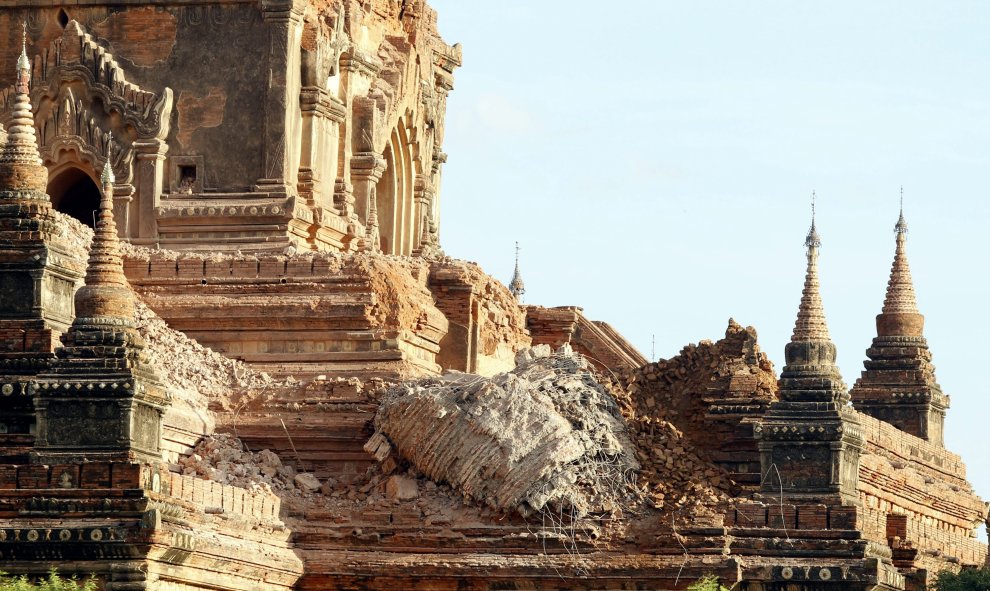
(655, 159)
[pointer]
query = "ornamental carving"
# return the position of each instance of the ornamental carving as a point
(81, 94)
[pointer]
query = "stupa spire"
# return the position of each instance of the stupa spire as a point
(900, 297)
(810, 324)
(106, 293)
(517, 286)
(898, 385)
(107, 177)
(810, 437)
(22, 145)
(117, 397)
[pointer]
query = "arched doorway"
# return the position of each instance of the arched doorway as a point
(396, 215)
(74, 193)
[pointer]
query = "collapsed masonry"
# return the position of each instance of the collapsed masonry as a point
(543, 437)
(320, 320)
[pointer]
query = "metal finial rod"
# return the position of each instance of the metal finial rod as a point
(24, 36)
(901, 227)
(813, 240)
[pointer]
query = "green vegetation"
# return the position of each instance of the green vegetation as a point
(53, 582)
(707, 583)
(968, 579)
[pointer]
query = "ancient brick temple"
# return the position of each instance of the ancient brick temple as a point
(233, 355)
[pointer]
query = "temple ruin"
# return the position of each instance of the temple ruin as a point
(233, 354)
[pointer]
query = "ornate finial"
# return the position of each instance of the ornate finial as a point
(516, 286)
(901, 227)
(23, 63)
(810, 325)
(107, 177)
(813, 240)
(22, 145)
(900, 297)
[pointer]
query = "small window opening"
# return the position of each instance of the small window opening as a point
(187, 179)
(63, 17)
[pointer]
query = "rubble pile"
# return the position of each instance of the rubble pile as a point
(201, 374)
(224, 459)
(78, 234)
(544, 436)
(682, 389)
(673, 476)
(668, 406)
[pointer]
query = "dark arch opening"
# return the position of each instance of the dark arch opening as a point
(75, 194)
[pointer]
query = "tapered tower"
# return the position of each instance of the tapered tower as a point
(810, 440)
(40, 268)
(898, 384)
(101, 399)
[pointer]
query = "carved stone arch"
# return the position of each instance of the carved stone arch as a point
(66, 124)
(81, 96)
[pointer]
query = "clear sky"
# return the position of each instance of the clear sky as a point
(655, 160)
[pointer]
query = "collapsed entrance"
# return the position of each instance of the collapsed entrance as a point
(74, 193)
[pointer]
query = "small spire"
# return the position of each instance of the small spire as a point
(22, 145)
(901, 227)
(900, 297)
(810, 325)
(23, 63)
(107, 177)
(106, 292)
(813, 240)
(516, 286)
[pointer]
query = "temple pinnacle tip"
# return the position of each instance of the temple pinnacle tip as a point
(810, 324)
(517, 287)
(900, 298)
(901, 227)
(107, 177)
(23, 63)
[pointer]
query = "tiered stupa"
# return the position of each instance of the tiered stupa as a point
(101, 399)
(39, 269)
(898, 385)
(810, 439)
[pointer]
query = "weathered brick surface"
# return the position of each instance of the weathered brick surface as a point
(143, 36)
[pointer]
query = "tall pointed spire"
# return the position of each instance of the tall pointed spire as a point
(900, 297)
(810, 324)
(22, 145)
(898, 385)
(106, 293)
(103, 369)
(107, 177)
(811, 438)
(22, 176)
(516, 286)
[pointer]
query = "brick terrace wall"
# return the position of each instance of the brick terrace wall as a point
(917, 492)
(228, 499)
